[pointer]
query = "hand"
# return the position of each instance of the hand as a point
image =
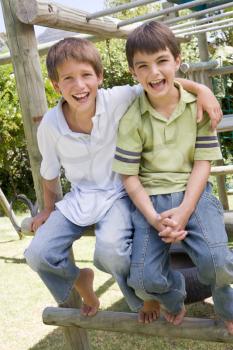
(179, 217)
(168, 229)
(170, 235)
(39, 219)
(207, 102)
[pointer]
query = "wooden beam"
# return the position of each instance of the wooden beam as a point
(30, 85)
(220, 71)
(226, 123)
(44, 48)
(222, 170)
(76, 337)
(192, 328)
(6, 208)
(45, 13)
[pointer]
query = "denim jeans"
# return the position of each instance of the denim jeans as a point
(206, 243)
(48, 253)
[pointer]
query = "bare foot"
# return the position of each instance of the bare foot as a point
(229, 325)
(150, 311)
(175, 319)
(84, 286)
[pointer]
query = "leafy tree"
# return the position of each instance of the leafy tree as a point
(15, 174)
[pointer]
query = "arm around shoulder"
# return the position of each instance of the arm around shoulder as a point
(206, 101)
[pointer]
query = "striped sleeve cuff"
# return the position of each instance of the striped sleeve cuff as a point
(127, 156)
(206, 142)
(126, 162)
(207, 148)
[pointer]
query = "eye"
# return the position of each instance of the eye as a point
(142, 66)
(67, 78)
(163, 60)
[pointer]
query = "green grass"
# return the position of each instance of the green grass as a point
(23, 298)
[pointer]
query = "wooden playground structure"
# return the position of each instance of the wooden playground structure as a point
(20, 16)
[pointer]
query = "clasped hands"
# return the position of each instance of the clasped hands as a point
(171, 224)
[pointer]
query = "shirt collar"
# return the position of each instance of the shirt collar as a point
(62, 124)
(185, 98)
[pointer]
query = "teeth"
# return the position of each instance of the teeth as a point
(156, 81)
(81, 95)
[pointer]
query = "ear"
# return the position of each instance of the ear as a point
(133, 73)
(100, 79)
(177, 62)
(56, 86)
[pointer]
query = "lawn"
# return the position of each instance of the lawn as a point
(23, 298)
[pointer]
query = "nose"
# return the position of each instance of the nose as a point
(154, 68)
(79, 83)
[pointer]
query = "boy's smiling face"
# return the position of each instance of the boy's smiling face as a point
(78, 83)
(156, 73)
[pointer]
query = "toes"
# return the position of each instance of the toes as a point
(229, 326)
(147, 317)
(92, 311)
(85, 309)
(141, 317)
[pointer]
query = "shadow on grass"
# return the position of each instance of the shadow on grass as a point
(23, 261)
(102, 289)
(12, 240)
(13, 260)
(53, 341)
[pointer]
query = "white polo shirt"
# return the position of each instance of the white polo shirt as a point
(86, 159)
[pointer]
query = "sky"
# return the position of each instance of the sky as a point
(85, 5)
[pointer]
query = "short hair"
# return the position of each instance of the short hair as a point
(150, 38)
(81, 50)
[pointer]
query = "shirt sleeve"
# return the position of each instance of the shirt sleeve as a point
(207, 145)
(129, 143)
(50, 164)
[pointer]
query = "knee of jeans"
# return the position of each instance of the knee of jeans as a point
(155, 284)
(36, 257)
(112, 261)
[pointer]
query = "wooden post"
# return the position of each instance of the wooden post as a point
(76, 337)
(204, 56)
(25, 59)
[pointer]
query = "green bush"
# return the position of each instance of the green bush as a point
(15, 173)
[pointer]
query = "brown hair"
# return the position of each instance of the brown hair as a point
(78, 49)
(151, 37)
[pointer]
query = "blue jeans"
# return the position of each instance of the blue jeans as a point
(48, 253)
(206, 243)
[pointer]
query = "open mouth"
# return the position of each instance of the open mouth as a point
(81, 97)
(155, 84)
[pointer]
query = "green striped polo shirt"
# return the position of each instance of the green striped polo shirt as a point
(162, 151)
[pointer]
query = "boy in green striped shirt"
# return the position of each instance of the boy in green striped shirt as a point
(165, 158)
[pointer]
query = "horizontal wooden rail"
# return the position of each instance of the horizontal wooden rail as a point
(198, 66)
(44, 48)
(191, 328)
(50, 14)
(222, 170)
(226, 123)
(220, 71)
